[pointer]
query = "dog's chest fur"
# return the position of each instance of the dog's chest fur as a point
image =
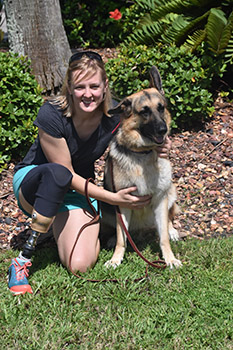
(150, 174)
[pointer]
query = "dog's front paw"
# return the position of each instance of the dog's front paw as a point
(173, 233)
(113, 263)
(173, 263)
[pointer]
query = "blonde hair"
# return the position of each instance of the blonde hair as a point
(90, 66)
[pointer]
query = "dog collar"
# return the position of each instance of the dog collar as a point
(126, 150)
(142, 152)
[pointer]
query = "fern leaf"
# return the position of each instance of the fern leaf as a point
(170, 35)
(182, 27)
(227, 32)
(229, 51)
(150, 4)
(147, 34)
(160, 9)
(215, 27)
(194, 40)
(191, 28)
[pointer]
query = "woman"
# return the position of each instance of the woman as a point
(74, 130)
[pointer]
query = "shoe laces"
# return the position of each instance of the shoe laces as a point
(21, 270)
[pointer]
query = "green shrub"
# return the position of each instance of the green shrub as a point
(87, 23)
(19, 103)
(187, 78)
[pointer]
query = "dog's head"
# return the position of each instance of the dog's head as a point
(145, 119)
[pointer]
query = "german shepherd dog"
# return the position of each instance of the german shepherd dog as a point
(133, 161)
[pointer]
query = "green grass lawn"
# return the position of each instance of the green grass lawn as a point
(187, 308)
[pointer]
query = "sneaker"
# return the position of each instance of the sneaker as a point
(17, 277)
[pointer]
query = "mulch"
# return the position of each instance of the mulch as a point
(202, 170)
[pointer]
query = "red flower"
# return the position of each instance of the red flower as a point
(116, 14)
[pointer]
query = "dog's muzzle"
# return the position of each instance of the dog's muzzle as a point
(155, 131)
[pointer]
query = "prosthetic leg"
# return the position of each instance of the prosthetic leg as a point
(18, 271)
(40, 224)
(41, 193)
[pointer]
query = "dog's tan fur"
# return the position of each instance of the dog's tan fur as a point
(145, 123)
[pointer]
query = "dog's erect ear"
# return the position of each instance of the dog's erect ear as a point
(124, 107)
(155, 79)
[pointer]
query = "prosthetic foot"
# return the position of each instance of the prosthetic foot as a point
(18, 270)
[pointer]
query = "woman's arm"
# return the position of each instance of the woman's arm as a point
(57, 151)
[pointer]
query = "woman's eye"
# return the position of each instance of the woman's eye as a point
(92, 87)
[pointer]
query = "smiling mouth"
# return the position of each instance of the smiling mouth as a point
(87, 103)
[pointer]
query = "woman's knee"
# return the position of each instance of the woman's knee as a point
(84, 261)
(81, 265)
(58, 173)
(46, 182)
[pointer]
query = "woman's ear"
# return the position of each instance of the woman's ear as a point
(106, 85)
(105, 89)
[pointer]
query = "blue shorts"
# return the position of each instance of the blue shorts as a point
(72, 200)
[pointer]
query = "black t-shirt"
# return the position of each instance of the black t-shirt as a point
(83, 153)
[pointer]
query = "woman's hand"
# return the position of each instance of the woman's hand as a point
(163, 151)
(125, 199)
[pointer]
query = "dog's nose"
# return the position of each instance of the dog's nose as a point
(162, 128)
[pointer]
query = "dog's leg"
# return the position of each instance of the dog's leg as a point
(162, 223)
(173, 233)
(121, 242)
(173, 210)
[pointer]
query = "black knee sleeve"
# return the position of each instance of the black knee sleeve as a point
(45, 186)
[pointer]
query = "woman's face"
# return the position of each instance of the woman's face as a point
(87, 92)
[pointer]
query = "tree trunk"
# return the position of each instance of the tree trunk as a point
(35, 29)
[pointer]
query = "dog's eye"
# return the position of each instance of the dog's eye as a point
(145, 112)
(160, 108)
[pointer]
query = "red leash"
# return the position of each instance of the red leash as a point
(94, 220)
(160, 264)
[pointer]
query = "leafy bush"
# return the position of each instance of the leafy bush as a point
(88, 23)
(20, 100)
(187, 78)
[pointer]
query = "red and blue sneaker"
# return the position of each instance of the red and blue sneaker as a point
(17, 277)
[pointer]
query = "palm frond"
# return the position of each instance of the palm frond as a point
(176, 26)
(184, 26)
(192, 8)
(145, 20)
(193, 27)
(150, 4)
(167, 20)
(186, 22)
(229, 51)
(218, 30)
(160, 9)
(147, 34)
(194, 40)
(228, 31)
